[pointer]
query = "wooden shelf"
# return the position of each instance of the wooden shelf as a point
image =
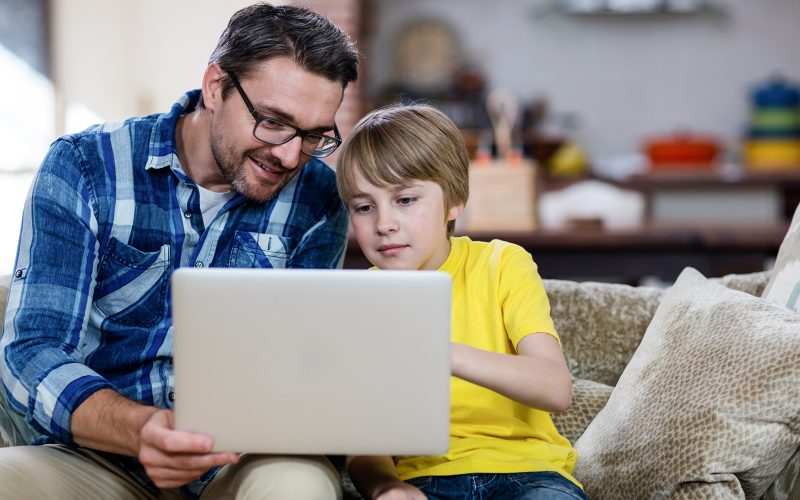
(626, 256)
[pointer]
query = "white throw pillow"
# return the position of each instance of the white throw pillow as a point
(784, 286)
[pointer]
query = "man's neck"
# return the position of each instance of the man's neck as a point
(193, 141)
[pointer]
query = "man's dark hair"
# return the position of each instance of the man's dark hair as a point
(263, 31)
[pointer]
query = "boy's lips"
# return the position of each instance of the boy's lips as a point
(391, 249)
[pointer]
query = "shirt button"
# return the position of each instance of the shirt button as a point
(18, 274)
(171, 396)
(187, 214)
(198, 264)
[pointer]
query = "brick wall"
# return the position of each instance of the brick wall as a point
(347, 15)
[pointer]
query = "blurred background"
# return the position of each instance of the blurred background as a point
(617, 140)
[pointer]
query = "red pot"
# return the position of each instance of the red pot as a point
(681, 150)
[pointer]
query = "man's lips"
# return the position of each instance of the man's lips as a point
(268, 169)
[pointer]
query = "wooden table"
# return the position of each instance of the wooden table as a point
(626, 256)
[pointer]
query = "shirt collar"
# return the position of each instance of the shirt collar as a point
(163, 150)
(455, 259)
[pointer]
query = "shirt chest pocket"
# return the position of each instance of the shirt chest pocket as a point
(261, 250)
(132, 285)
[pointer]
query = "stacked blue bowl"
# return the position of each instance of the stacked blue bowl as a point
(773, 137)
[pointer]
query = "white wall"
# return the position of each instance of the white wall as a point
(121, 58)
(111, 59)
(626, 77)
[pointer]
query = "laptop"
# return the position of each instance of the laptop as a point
(327, 362)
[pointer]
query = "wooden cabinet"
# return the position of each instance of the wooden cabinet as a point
(709, 197)
(662, 247)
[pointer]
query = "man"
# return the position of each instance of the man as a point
(230, 177)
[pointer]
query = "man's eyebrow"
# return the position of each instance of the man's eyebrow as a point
(286, 117)
(274, 113)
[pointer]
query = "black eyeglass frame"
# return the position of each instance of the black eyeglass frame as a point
(297, 131)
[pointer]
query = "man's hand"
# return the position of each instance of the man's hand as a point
(398, 490)
(110, 422)
(375, 477)
(173, 458)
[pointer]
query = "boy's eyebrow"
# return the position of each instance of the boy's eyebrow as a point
(358, 195)
(402, 186)
(391, 187)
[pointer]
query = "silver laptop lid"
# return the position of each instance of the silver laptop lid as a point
(313, 361)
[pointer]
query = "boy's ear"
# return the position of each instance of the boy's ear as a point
(454, 211)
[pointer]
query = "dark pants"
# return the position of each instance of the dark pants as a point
(526, 485)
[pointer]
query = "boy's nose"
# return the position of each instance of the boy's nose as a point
(387, 224)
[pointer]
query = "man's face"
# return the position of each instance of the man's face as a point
(280, 89)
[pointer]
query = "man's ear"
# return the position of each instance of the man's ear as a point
(213, 80)
(454, 211)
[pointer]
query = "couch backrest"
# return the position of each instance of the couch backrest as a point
(601, 324)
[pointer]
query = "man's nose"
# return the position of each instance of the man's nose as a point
(289, 152)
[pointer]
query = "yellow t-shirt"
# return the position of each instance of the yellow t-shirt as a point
(498, 299)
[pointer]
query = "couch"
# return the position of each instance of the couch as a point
(602, 327)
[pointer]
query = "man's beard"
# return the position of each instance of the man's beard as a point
(235, 172)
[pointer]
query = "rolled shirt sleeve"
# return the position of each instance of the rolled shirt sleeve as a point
(44, 340)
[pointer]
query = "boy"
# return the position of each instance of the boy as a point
(403, 175)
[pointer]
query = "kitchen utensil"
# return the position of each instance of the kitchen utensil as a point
(681, 150)
(503, 110)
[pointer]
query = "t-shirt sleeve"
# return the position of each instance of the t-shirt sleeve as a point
(526, 309)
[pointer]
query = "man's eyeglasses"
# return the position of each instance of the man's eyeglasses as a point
(275, 132)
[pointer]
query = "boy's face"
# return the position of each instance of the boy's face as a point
(402, 226)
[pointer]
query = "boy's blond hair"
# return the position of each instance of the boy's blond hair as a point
(398, 144)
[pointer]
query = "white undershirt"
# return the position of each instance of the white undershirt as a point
(211, 202)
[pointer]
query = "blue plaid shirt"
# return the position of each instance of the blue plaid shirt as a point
(110, 215)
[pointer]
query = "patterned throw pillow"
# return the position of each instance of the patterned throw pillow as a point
(784, 286)
(709, 405)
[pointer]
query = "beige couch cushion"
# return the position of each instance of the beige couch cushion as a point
(5, 281)
(600, 324)
(588, 398)
(709, 404)
(5, 425)
(784, 286)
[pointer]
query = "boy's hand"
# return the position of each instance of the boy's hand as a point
(398, 490)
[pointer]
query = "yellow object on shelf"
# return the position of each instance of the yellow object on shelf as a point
(771, 154)
(569, 160)
(502, 197)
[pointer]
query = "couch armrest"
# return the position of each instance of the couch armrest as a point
(600, 324)
(5, 282)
